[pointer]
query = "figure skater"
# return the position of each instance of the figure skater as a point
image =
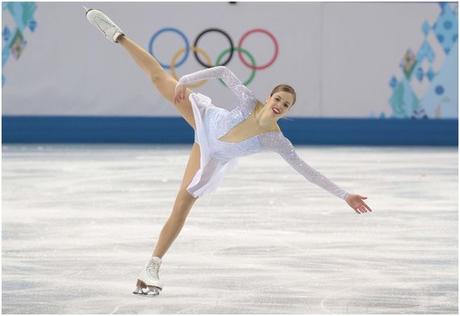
(221, 137)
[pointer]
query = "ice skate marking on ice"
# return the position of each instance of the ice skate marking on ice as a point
(323, 307)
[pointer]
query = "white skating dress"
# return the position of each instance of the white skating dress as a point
(219, 157)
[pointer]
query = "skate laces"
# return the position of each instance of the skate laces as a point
(153, 268)
(104, 25)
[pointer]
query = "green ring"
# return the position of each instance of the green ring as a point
(253, 61)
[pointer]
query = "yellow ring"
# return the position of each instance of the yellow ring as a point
(176, 57)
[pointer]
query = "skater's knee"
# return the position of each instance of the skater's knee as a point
(165, 84)
(182, 206)
(154, 76)
(159, 77)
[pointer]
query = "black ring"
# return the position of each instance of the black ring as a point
(195, 44)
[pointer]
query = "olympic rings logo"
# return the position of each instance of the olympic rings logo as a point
(222, 59)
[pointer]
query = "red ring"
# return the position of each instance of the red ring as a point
(240, 44)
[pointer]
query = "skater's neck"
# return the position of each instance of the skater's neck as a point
(264, 121)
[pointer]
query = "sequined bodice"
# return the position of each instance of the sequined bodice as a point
(229, 150)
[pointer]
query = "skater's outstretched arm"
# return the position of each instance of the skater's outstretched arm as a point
(218, 72)
(283, 146)
(288, 152)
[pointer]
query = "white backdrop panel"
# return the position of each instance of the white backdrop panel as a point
(338, 56)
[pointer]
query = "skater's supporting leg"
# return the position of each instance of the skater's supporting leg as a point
(163, 81)
(182, 206)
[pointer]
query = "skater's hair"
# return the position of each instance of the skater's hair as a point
(285, 88)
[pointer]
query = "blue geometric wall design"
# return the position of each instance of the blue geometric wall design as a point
(446, 27)
(13, 40)
(440, 97)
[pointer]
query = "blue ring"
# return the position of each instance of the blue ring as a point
(181, 34)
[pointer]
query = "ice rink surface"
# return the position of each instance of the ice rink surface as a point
(80, 221)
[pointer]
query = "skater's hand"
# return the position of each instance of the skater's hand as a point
(356, 202)
(179, 93)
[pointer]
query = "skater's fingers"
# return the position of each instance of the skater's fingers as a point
(356, 209)
(367, 206)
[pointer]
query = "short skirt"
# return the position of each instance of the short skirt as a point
(212, 170)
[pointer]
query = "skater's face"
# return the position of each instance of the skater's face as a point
(279, 103)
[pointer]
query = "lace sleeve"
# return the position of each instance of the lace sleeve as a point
(245, 96)
(285, 149)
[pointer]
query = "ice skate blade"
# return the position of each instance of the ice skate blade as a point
(144, 289)
(143, 285)
(87, 10)
(147, 291)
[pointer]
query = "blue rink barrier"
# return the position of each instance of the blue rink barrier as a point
(174, 130)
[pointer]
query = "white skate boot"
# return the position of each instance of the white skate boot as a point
(148, 282)
(110, 30)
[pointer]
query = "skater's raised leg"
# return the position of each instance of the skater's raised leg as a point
(143, 59)
(163, 81)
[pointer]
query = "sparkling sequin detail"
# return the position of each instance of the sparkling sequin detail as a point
(283, 146)
(213, 122)
(153, 268)
(247, 100)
